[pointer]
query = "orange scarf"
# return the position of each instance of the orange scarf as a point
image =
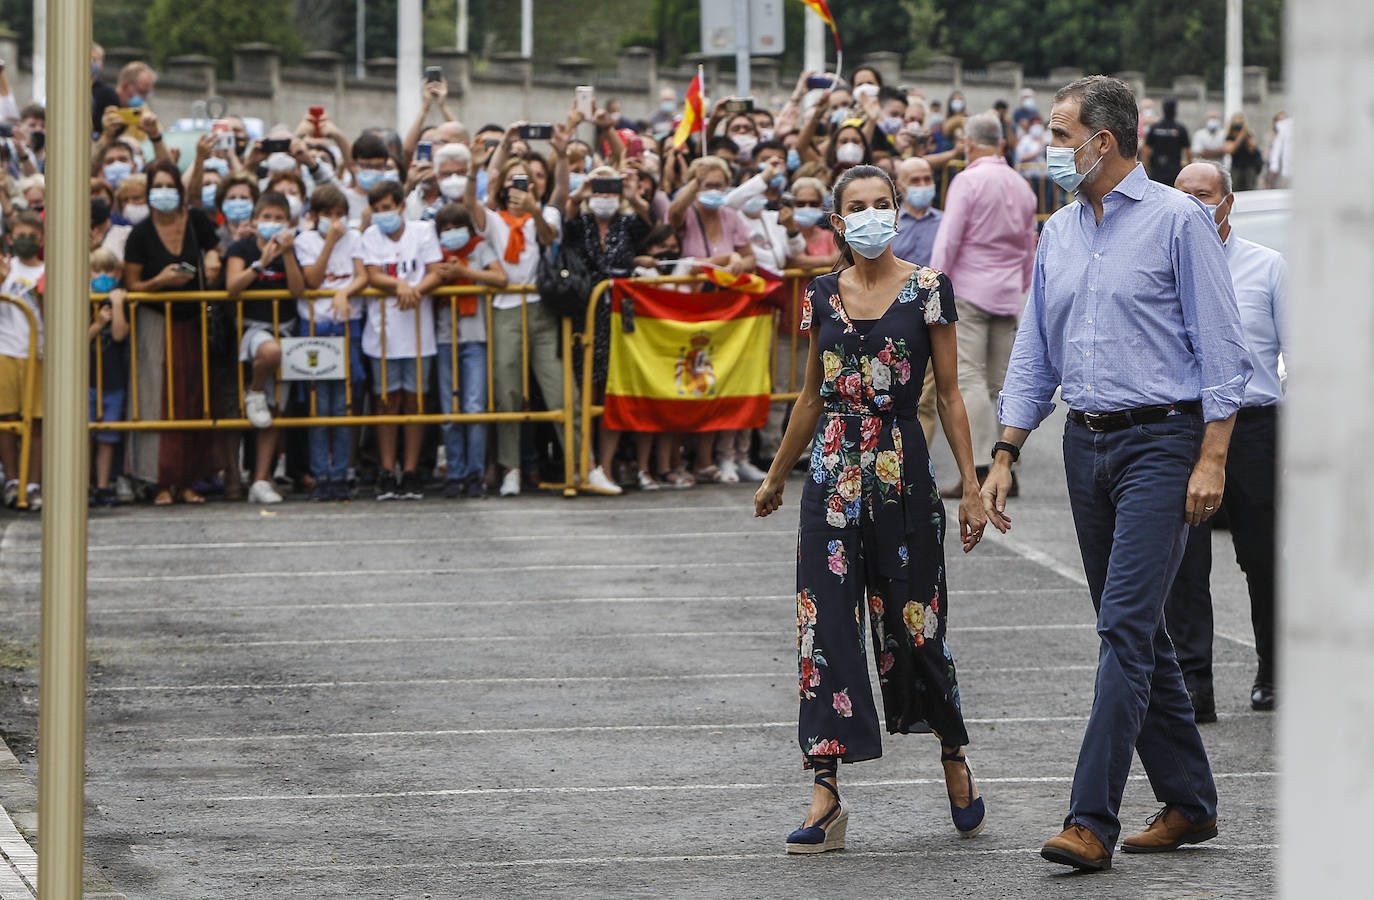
(467, 304)
(516, 245)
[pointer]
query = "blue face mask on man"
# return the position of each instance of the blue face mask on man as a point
(367, 178)
(1063, 167)
(921, 196)
(793, 159)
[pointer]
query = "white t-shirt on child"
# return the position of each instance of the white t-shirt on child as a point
(404, 258)
(22, 284)
(522, 271)
(338, 273)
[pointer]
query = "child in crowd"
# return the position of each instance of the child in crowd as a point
(331, 256)
(402, 260)
(109, 373)
(21, 277)
(468, 259)
(265, 261)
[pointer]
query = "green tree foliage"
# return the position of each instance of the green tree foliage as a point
(215, 27)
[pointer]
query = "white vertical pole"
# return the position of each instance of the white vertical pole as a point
(1326, 720)
(461, 41)
(1235, 52)
(742, 72)
(409, 63)
(360, 41)
(813, 46)
(527, 29)
(39, 91)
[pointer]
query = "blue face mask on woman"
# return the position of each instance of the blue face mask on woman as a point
(808, 216)
(869, 231)
(207, 195)
(713, 199)
(163, 199)
(237, 209)
(793, 159)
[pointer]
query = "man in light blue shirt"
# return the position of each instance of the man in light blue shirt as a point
(1131, 316)
(917, 224)
(1259, 276)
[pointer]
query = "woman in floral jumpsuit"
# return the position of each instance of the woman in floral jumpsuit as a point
(872, 522)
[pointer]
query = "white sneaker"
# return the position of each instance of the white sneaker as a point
(441, 463)
(510, 485)
(124, 489)
(263, 492)
(647, 481)
(729, 472)
(255, 408)
(750, 472)
(35, 497)
(600, 483)
(11, 493)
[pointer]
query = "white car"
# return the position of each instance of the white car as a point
(1262, 217)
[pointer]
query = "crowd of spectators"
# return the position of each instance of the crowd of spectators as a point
(306, 206)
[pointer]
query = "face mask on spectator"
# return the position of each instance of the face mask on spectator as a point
(207, 195)
(135, 101)
(388, 222)
(793, 159)
(921, 196)
(100, 211)
(25, 246)
(454, 186)
(391, 175)
(808, 216)
(1213, 124)
(1037, 130)
(135, 212)
(711, 199)
(604, 207)
(103, 283)
(746, 144)
(956, 106)
(575, 180)
(1028, 103)
(668, 106)
(323, 224)
(892, 124)
(777, 182)
(838, 116)
(96, 69)
(237, 209)
(766, 134)
(864, 91)
(163, 199)
(268, 230)
(455, 238)
(281, 162)
(652, 162)
(294, 206)
(869, 231)
(116, 172)
(849, 154)
(215, 164)
(755, 205)
(367, 178)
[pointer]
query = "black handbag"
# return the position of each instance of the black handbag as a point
(564, 281)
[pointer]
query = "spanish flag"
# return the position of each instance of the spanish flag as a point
(745, 282)
(822, 9)
(692, 117)
(688, 361)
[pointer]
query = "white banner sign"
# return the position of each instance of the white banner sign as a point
(313, 359)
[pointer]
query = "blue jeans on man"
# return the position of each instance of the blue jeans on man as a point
(331, 445)
(1127, 489)
(465, 444)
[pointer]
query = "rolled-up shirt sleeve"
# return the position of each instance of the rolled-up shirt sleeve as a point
(1031, 378)
(1211, 317)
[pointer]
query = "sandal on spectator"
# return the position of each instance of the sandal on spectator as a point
(676, 480)
(707, 475)
(647, 482)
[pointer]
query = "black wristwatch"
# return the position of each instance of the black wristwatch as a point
(1014, 450)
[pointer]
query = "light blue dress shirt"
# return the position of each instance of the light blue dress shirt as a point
(1137, 311)
(1260, 278)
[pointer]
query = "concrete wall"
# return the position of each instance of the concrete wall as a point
(506, 88)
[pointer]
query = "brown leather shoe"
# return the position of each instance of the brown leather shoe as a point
(1078, 847)
(1168, 830)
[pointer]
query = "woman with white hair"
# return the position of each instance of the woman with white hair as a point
(607, 220)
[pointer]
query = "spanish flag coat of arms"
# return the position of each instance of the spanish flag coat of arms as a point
(687, 361)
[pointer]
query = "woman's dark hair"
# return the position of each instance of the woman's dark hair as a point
(236, 178)
(657, 235)
(830, 148)
(877, 76)
(170, 168)
(531, 156)
(857, 173)
(451, 215)
(327, 198)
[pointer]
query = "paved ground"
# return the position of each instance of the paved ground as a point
(594, 697)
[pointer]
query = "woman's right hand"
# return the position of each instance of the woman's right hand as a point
(172, 276)
(768, 497)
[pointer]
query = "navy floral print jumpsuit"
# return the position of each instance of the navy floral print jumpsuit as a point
(872, 532)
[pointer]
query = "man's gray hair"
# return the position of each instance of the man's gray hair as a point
(984, 129)
(1106, 104)
(1222, 172)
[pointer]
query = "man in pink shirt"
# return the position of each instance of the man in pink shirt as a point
(986, 245)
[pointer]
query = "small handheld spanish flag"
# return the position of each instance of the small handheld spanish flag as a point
(744, 282)
(692, 118)
(822, 9)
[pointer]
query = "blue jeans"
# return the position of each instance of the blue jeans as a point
(465, 445)
(331, 445)
(1128, 489)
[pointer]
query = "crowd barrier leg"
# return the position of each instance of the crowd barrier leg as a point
(569, 411)
(588, 407)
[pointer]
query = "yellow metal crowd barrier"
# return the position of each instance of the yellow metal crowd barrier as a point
(794, 282)
(1048, 196)
(22, 426)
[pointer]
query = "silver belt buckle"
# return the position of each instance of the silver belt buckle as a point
(1093, 421)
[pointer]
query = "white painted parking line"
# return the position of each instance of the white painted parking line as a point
(18, 863)
(659, 788)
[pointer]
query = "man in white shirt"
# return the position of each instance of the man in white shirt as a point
(1209, 142)
(401, 259)
(1260, 278)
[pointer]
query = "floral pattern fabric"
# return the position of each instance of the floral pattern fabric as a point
(871, 537)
